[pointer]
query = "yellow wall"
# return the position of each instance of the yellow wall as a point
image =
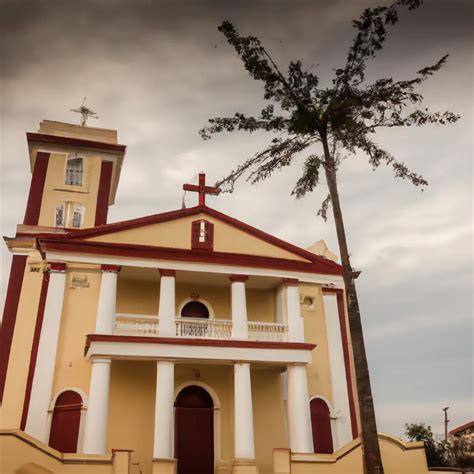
(56, 192)
(177, 234)
(78, 319)
(19, 361)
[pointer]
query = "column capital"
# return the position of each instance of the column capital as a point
(240, 278)
(100, 361)
(290, 281)
(111, 268)
(165, 272)
(57, 267)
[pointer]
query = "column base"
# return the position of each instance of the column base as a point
(164, 466)
(244, 466)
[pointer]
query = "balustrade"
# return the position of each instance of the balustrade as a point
(144, 325)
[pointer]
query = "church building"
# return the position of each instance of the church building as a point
(183, 342)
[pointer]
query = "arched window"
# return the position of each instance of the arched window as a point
(65, 422)
(195, 309)
(321, 424)
(74, 168)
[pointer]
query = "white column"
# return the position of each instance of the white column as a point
(244, 446)
(167, 306)
(295, 321)
(107, 300)
(41, 389)
(299, 416)
(95, 431)
(239, 307)
(340, 393)
(164, 410)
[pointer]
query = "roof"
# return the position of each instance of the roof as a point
(76, 240)
(462, 428)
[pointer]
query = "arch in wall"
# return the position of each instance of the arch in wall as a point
(321, 426)
(195, 309)
(66, 422)
(200, 300)
(194, 431)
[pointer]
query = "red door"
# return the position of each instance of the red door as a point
(321, 423)
(194, 431)
(65, 422)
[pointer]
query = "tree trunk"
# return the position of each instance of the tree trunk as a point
(370, 445)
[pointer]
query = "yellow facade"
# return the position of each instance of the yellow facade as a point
(133, 385)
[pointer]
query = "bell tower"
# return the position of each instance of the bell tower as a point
(75, 173)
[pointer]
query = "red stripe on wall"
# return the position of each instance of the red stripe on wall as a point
(345, 348)
(17, 271)
(35, 196)
(34, 348)
(102, 207)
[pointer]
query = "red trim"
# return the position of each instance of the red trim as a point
(57, 267)
(110, 268)
(74, 142)
(345, 348)
(241, 278)
(183, 255)
(290, 281)
(330, 266)
(35, 196)
(105, 181)
(198, 342)
(464, 427)
(34, 348)
(17, 271)
(332, 290)
(167, 273)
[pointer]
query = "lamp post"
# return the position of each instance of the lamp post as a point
(446, 421)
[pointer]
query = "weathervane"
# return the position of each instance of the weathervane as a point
(85, 113)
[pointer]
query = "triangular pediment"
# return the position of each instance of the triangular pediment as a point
(173, 230)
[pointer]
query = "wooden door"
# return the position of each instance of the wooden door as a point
(321, 424)
(65, 423)
(194, 431)
(195, 309)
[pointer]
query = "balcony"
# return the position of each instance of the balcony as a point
(145, 325)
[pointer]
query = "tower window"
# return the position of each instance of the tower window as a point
(202, 235)
(60, 217)
(74, 168)
(69, 214)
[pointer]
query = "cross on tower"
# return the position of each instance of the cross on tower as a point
(202, 189)
(85, 113)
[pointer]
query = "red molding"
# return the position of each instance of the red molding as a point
(241, 278)
(183, 255)
(102, 205)
(17, 271)
(74, 142)
(347, 365)
(164, 272)
(35, 196)
(290, 281)
(329, 266)
(57, 267)
(110, 268)
(34, 348)
(198, 342)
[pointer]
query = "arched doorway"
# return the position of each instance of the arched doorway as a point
(194, 431)
(65, 422)
(321, 424)
(195, 309)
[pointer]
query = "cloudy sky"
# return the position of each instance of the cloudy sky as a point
(156, 71)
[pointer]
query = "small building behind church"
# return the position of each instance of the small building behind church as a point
(186, 341)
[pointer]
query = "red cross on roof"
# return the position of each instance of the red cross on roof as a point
(202, 189)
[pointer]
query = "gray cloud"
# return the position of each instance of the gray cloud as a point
(156, 71)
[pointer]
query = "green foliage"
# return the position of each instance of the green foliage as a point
(458, 453)
(346, 114)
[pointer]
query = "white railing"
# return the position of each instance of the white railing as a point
(205, 328)
(145, 325)
(136, 325)
(271, 332)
